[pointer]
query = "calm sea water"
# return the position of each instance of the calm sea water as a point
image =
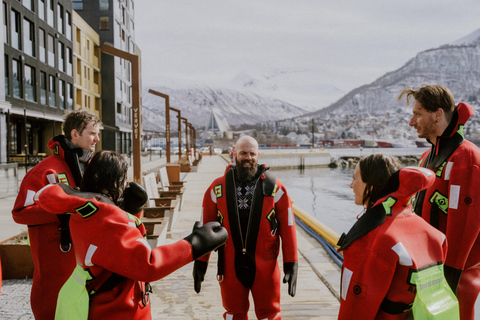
(325, 193)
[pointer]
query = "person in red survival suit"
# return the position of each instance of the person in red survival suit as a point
(387, 243)
(450, 203)
(256, 210)
(49, 237)
(108, 241)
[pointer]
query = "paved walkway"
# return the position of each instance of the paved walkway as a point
(174, 297)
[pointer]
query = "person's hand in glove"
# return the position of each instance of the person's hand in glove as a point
(134, 197)
(290, 269)
(207, 238)
(199, 270)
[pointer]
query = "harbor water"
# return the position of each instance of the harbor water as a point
(325, 193)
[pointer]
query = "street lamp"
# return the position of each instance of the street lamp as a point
(179, 116)
(167, 119)
(134, 60)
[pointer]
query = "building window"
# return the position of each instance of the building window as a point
(103, 4)
(30, 94)
(68, 30)
(61, 93)
(28, 37)
(51, 93)
(77, 4)
(69, 62)
(50, 13)
(51, 51)
(28, 4)
(5, 68)
(69, 96)
(15, 27)
(61, 56)
(41, 9)
(104, 22)
(17, 79)
(41, 45)
(60, 25)
(43, 88)
(5, 23)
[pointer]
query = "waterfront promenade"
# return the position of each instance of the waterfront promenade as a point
(173, 297)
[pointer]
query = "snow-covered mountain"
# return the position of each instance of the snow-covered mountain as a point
(455, 65)
(196, 103)
(298, 87)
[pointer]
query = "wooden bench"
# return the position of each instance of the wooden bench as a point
(168, 206)
(156, 230)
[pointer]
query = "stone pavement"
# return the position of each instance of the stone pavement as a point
(174, 297)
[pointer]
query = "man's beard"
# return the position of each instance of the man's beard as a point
(245, 173)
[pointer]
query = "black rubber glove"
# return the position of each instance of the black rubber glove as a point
(134, 197)
(199, 270)
(290, 269)
(206, 238)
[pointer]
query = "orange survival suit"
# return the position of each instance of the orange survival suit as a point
(248, 261)
(110, 245)
(384, 247)
(450, 206)
(49, 236)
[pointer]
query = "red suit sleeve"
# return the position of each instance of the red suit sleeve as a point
(25, 211)
(286, 221)
(463, 222)
(108, 237)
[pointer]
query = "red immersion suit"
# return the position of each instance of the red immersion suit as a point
(251, 263)
(384, 247)
(450, 206)
(107, 240)
(52, 266)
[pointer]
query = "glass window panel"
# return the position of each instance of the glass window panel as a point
(41, 44)
(61, 93)
(41, 9)
(68, 30)
(17, 79)
(28, 38)
(51, 51)
(43, 88)
(61, 56)
(51, 93)
(60, 25)
(15, 28)
(50, 13)
(7, 73)
(30, 94)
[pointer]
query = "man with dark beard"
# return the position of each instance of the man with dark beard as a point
(256, 210)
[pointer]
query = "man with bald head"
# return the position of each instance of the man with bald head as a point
(256, 210)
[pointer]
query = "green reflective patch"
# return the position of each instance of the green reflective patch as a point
(440, 200)
(388, 204)
(62, 178)
(88, 209)
(218, 191)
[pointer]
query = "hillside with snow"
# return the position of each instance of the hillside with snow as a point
(455, 65)
(196, 103)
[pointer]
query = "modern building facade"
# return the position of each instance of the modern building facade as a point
(87, 68)
(38, 68)
(113, 20)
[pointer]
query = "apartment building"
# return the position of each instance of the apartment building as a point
(38, 68)
(113, 20)
(86, 68)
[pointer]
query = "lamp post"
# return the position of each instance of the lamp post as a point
(167, 119)
(179, 117)
(186, 136)
(134, 60)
